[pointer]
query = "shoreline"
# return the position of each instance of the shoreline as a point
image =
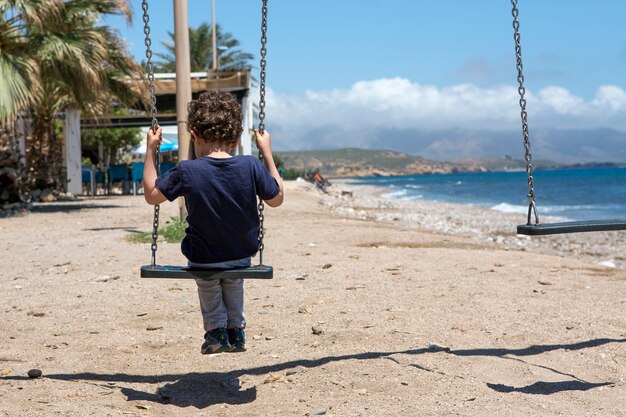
(349, 199)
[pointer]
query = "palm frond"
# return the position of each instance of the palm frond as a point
(201, 50)
(79, 8)
(30, 12)
(18, 85)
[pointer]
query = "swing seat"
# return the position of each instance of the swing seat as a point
(570, 227)
(168, 271)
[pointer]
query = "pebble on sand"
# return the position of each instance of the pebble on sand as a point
(34, 373)
(317, 330)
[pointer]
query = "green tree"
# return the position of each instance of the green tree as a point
(55, 55)
(229, 53)
(112, 140)
(278, 161)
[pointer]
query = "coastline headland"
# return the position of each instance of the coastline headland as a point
(355, 162)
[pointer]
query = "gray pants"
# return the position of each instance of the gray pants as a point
(221, 300)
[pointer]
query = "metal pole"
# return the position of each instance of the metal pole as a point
(214, 35)
(183, 82)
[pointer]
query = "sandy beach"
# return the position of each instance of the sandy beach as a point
(377, 308)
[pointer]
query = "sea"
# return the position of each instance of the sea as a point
(571, 194)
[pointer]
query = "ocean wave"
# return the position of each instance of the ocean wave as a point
(557, 212)
(395, 194)
(589, 202)
(402, 195)
(574, 208)
(510, 208)
(411, 197)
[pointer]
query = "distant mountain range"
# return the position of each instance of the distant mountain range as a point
(461, 149)
(355, 162)
(567, 146)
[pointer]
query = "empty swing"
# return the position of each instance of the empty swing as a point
(153, 270)
(537, 228)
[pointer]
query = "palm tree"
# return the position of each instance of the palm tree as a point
(18, 69)
(18, 80)
(55, 55)
(229, 53)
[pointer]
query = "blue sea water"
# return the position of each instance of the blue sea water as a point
(575, 194)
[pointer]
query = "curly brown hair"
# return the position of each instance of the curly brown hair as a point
(215, 116)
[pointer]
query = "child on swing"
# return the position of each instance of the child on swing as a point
(220, 193)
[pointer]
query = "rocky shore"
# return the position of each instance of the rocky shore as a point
(484, 225)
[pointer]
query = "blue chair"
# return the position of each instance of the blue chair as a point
(92, 178)
(100, 178)
(118, 173)
(166, 166)
(86, 173)
(136, 174)
(87, 180)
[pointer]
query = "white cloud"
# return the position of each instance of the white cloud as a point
(344, 117)
(560, 101)
(611, 97)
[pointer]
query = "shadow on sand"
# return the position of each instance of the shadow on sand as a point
(547, 388)
(68, 207)
(202, 390)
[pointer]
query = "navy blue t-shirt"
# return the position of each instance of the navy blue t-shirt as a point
(220, 195)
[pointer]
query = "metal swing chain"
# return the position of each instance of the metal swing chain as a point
(150, 75)
(262, 114)
(532, 209)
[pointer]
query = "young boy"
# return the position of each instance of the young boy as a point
(220, 193)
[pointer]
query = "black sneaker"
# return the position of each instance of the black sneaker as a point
(237, 339)
(216, 341)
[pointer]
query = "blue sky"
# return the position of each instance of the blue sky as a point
(329, 59)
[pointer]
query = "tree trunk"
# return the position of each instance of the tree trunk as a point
(44, 153)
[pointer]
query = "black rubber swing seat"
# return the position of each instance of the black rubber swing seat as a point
(185, 272)
(571, 227)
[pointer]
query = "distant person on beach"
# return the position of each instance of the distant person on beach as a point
(316, 178)
(220, 193)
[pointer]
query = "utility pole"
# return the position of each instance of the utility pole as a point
(183, 83)
(214, 34)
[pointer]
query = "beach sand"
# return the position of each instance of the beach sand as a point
(421, 309)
